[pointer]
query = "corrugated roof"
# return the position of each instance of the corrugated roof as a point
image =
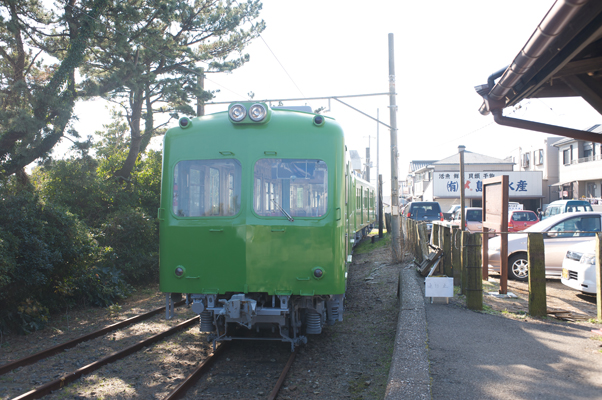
(418, 164)
(472, 158)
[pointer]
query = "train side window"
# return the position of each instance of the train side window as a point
(299, 186)
(206, 188)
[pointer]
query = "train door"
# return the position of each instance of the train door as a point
(346, 212)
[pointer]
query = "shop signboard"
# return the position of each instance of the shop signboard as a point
(525, 184)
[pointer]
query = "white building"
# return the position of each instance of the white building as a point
(440, 181)
(580, 170)
(540, 157)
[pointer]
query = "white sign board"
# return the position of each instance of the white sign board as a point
(514, 206)
(438, 287)
(520, 183)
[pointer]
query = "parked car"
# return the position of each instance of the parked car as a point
(579, 267)
(563, 206)
(559, 233)
(450, 213)
(473, 219)
(521, 220)
(424, 211)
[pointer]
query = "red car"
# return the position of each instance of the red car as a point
(519, 220)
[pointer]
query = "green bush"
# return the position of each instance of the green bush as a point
(48, 262)
(133, 237)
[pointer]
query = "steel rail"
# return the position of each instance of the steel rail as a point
(67, 345)
(45, 389)
(190, 380)
(276, 389)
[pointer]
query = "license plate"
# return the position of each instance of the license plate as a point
(565, 273)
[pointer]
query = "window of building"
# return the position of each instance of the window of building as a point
(539, 157)
(526, 160)
(566, 156)
(588, 150)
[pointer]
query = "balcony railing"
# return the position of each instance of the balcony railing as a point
(586, 159)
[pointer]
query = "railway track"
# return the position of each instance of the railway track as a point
(205, 366)
(72, 343)
(49, 387)
(180, 390)
(72, 376)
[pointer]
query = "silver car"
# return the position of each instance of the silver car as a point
(559, 233)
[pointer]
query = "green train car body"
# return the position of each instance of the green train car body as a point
(256, 226)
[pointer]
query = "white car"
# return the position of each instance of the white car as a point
(579, 267)
(559, 233)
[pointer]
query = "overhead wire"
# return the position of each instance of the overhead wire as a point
(515, 109)
(281, 65)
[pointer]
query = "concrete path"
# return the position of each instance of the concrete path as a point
(471, 355)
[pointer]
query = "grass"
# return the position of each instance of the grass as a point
(366, 246)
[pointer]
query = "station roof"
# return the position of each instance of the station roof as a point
(562, 58)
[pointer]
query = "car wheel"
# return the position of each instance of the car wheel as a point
(518, 267)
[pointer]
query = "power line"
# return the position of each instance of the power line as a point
(289, 76)
(282, 66)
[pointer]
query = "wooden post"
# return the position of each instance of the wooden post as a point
(455, 255)
(599, 274)
(474, 289)
(537, 275)
(417, 249)
(447, 246)
(413, 238)
(423, 235)
(464, 260)
(485, 256)
(435, 235)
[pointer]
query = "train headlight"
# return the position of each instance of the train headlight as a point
(179, 271)
(318, 272)
(257, 112)
(318, 120)
(237, 112)
(184, 123)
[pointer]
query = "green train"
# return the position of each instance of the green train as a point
(259, 214)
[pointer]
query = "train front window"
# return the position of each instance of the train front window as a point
(300, 187)
(207, 188)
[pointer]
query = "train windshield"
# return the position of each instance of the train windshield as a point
(207, 188)
(300, 187)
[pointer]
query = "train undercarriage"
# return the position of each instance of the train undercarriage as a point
(285, 318)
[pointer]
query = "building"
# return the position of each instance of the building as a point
(540, 157)
(580, 169)
(440, 181)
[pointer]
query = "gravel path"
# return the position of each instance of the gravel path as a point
(348, 360)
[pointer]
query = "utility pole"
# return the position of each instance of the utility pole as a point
(368, 161)
(462, 217)
(200, 106)
(377, 143)
(395, 239)
(379, 178)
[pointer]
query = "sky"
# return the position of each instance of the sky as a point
(442, 49)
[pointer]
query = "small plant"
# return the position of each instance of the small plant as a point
(114, 310)
(367, 246)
